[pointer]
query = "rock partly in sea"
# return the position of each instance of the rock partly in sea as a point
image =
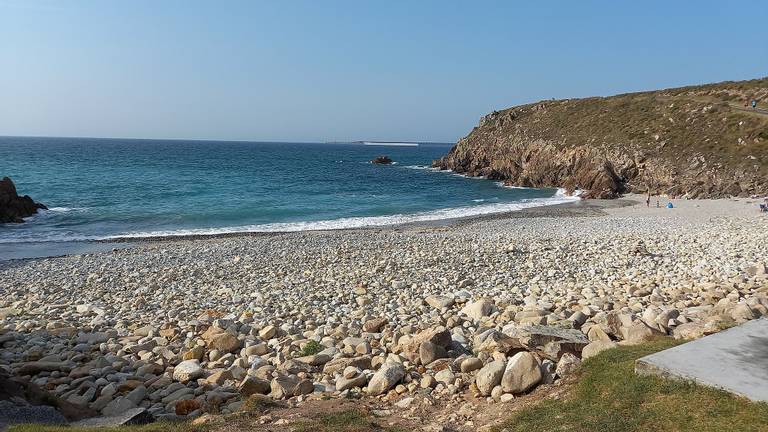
(14, 208)
(382, 160)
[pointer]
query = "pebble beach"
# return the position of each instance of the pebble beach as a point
(485, 309)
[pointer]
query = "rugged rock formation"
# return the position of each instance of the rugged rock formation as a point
(13, 208)
(24, 402)
(382, 160)
(698, 142)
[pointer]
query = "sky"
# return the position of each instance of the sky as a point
(318, 71)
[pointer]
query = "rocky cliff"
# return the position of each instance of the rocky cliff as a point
(698, 142)
(13, 208)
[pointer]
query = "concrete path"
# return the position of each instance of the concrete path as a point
(750, 110)
(735, 360)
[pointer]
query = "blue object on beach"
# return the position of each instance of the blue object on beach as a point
(669, 205)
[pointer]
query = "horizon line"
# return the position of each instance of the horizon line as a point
(220, 140)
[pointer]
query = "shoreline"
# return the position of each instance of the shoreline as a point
(574, 209)
(581, 208)
(204, 324)
(568, 209)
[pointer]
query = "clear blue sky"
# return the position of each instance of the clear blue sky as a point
(333, 70)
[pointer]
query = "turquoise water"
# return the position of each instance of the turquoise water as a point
(107, 188)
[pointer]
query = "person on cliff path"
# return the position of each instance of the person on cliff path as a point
(754, 103)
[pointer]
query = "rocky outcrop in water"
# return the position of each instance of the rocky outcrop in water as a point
(696, 142)
(13, 208)
(382, 160)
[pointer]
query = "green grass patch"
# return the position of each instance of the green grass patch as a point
(608, 396)
(343, 421)
(258, 404)
(311, 348)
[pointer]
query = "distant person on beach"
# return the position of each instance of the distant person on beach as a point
(657, 203)
(648, 200)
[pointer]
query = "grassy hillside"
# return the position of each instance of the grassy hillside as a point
(698, 141)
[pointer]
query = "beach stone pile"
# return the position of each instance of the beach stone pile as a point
(491, 309)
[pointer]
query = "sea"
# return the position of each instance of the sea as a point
(111, 189)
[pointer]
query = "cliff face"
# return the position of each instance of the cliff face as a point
(699, 142)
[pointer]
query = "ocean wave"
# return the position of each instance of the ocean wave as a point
(65, 209)
(46, 214)
(21, 237)
(423, 168)
(446, 171)
(501, 184)
(334, 224)
(358, 222)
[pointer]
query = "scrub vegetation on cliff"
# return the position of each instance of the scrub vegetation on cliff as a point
(700, 141)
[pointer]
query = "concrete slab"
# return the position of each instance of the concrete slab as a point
(735, 360)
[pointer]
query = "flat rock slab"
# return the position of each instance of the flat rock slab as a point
(133, 416)
(735, 360)
(11, 414)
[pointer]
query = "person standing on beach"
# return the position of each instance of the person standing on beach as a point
(648, 200)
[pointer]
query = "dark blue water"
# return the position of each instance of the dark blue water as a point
(107, 188)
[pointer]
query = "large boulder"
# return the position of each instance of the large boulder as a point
(253, 385)
(344, 383)
(187, 370)
(221, 340)
(14, 208)
(439, 302)
(493, 340)
(523, 371)
(478, 310)
(567, 365)
(549, 341)
(375, 325)
(438, 335)
(429, 352)
(640, 332)
(283, 387)
(596, 348)
(339, 364)
(385, 378)
(490, 376)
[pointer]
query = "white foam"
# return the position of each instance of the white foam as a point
(49, 237)
(423, 168)
(358, 222)
(65, 209)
